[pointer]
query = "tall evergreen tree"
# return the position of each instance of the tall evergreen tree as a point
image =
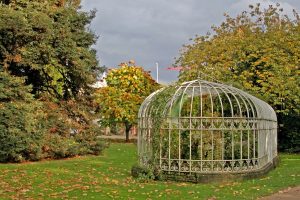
(46, 65)
(48, 43)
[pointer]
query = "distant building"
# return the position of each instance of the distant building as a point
(101, 82)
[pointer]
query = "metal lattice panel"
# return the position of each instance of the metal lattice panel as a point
(207, 127)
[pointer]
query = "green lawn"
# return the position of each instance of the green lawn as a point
(108, 177)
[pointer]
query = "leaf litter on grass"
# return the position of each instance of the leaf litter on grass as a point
(104, 177)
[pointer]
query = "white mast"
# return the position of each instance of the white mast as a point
(156, 72)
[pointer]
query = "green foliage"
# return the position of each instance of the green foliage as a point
(46, 65)
(34, 130)
(69, 130)
(128, 86)
(117, 105)
(290, 137)
(157, 115)
(57, 146)
(20, 139)
(142, 173)
(258, 52)
(48, 43)
(132, 79)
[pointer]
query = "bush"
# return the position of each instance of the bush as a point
(89, 142)
(289, 133)
(27, 135)
(69, 132)
(144, 174)
(33, 130)
(21, 132)
(57, 146)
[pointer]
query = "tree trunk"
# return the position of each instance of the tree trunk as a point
(114, 129)
(127, 129)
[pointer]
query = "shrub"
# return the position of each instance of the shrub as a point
(89, 142)
(70, 131)
(288, 136)
(144, 174)
(21, 132)
(32, 130)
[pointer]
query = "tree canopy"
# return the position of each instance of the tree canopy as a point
(128, 86)
(46, 65)
(258, 51)
(48, 43)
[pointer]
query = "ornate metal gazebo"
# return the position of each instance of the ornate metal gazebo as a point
(201, 128)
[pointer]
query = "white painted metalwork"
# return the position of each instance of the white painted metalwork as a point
(207, 127)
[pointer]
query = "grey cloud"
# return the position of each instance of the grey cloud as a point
(150, 31)
(286, 5)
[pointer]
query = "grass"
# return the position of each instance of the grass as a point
(108, 177)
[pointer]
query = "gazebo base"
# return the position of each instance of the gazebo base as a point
(219, 177)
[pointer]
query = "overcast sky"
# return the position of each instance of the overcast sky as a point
(150, 31)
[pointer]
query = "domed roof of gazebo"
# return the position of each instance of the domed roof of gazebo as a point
(241, 103)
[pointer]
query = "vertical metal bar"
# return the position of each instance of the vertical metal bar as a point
(247, 97)
(143, 128)
(212, 149)
(223, 88)
(160, 150)
(179, 147)
(223, 144)
(185, 86)
(191, 113)
(254, 142)
(179, 118)
(232, 145)
(201, 116)
(211, 132)
(169, 149)
(211, 121)
(170, 128)
(229, 89)
(241, 145)
(215, 86)
(240, 113)
(248, 146)
(256, 103)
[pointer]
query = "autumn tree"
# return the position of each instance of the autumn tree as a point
(48, 43)
(257, 51)
(46, 67)
(128, 86)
